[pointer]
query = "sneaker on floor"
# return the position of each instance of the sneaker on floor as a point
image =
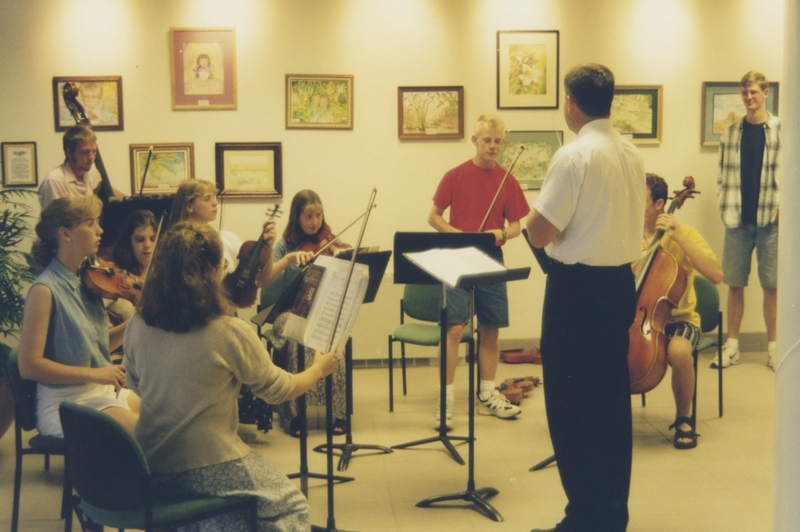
(497, 405)
(729, 358)
(771, 359)
(448, 419)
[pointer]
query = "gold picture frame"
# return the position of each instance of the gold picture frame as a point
(100, 97)
(203, 68)
(430, 113)
(319, 101)
(169, 165)
(636, 112)
(527, 69)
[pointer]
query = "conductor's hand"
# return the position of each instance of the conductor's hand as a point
(113, 374)
(324, 362)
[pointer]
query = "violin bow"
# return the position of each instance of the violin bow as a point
(155, 244)
(503, 182)
(335, 237)
(365, 215)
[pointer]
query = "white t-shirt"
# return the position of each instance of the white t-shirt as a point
(60, 182)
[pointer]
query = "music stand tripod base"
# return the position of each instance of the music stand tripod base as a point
(475, 496)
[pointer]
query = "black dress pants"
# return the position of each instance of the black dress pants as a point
(587, 313)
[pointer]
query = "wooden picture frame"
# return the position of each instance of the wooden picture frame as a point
(527, 69)
(100, 97)
(203, 68)
(723, 106)
(19, 164)
(170, 164)
(636, 112)
(249, 169)
(430, 113)
(539, 148)
(319, 101)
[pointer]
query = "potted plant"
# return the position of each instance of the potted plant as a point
(15, 275)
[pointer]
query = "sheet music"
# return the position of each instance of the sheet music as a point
(449, 265)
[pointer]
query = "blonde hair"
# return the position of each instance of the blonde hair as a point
(754, 76)
(188, 191)
(66, 212)
(183, 291)
(488, 120)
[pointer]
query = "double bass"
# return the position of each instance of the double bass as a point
(660, 284)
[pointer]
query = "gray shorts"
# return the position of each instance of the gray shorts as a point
(737, 255)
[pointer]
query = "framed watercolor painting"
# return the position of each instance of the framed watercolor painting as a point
(99, 98)
(19, 164)
(427, 113)
(723, 106)
(203, 68)
(538, 147)
(166, 167)
(636, 112)
(527, 69)
(249, 169)
(319, 102)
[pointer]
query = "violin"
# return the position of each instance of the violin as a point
(70, 93)
(660, 284)
(109, 282)
(324, 241)
(253, 256)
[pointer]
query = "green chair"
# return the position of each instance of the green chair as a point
(25, 421)
(108, 470)
(422, 303)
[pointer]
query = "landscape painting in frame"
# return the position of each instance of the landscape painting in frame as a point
(722, 106)
(636, 112)
(430, 112)
(527, 69)
(538, 147)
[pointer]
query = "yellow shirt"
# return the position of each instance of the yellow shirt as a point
(685, 310)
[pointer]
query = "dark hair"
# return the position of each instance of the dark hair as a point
(294, 234)
(591, 87)
(657, 186)
(66, 212)
(183, 291)
(75, 135)
(122, 253)
(187, 192)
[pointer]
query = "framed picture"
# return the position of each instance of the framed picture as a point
(97, 98)
(430, 113)
(319, 102)
(167, 166)
(19, 164)
(527, 69)
(636, 112)
(203, 67)
(533, 161)
(723, 106)
(249, 169)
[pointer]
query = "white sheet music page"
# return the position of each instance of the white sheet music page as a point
(449, 265)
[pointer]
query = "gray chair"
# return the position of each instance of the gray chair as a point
(25, 421)
(422, 303)
(109, 471)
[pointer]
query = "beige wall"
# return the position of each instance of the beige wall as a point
(383, 44)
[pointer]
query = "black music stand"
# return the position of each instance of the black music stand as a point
(117, 209)
(377, 262)
(471, 494)
(406, 272)
(545, 263)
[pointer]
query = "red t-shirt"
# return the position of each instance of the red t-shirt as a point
(468, 190)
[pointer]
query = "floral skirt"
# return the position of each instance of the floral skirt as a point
(281, 506)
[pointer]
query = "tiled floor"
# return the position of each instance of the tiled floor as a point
(725, 484)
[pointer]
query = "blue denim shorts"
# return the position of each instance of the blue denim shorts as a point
(491, 303)
(737, 255)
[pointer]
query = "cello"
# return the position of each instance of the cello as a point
(660, 283)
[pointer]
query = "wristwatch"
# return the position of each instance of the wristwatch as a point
(505, 236)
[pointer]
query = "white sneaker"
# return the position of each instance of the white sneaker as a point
(497, 405)
(728, 358)
(771, 359)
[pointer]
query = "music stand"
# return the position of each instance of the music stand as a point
(117, 209)
(545, 263)
(377, 262)
(406, 272)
